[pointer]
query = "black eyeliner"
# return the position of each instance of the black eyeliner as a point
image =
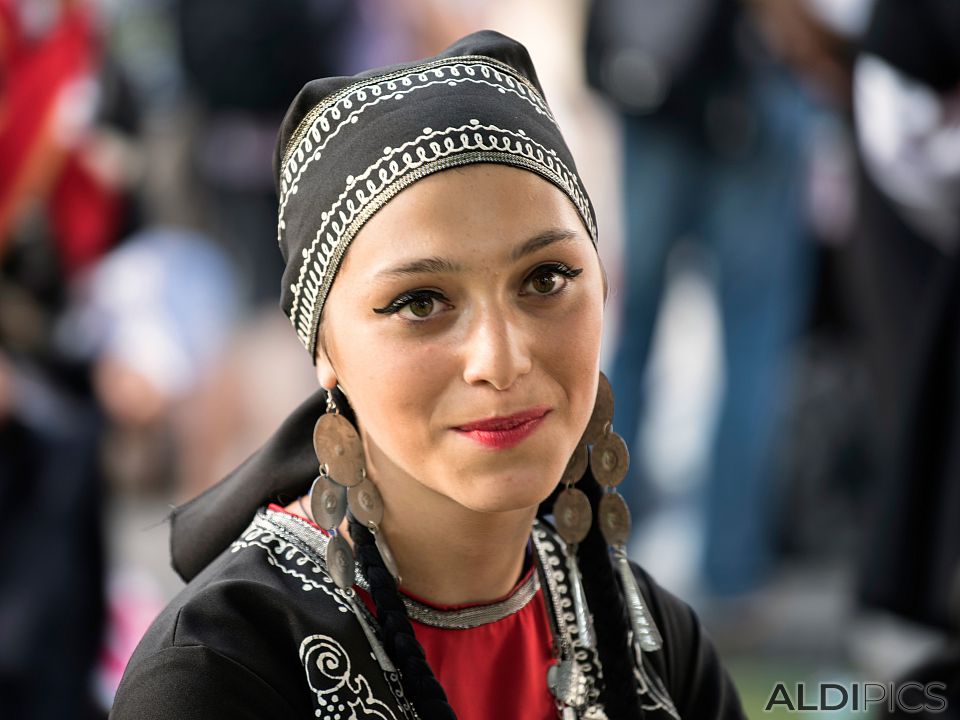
(555, 267)
(399, 302)
(560, 268)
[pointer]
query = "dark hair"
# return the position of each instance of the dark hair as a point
(620, 693)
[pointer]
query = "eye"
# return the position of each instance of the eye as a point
(419, 308)
(416, 306)
(549, 279)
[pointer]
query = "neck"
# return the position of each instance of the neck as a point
(450, 555)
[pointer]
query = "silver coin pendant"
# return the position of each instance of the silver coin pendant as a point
(572, 514)
(576, 466)
(614, 518)
(602, 412)
(328, 502)
(338, 446)
(609, 460)
(339, 559)
(365, 503)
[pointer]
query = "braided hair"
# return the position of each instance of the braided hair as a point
(419, 683)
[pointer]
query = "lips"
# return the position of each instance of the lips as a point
(504, 431)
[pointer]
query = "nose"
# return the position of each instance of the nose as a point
(496, 351)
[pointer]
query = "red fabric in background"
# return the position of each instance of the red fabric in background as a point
(85, 215)
(36, 164)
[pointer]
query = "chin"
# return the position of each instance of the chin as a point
(506, 492)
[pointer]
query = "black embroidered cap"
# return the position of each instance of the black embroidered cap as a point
(349, 144)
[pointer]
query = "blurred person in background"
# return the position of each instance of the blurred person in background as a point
(154, 318)
(232, 68)
(66, 170)
(904, 270)
(716, 134)
(243, 60)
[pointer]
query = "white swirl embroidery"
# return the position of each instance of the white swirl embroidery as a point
(341, 694)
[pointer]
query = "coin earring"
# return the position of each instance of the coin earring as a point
(609, 461)
(340, 456)
(572, 511)
(573, 517)
(366, 505)
(344, 485)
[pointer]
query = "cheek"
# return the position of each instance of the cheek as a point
(580, 367)
(571, 349)
(394, 389)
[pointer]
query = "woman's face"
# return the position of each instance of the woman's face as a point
(464, 327)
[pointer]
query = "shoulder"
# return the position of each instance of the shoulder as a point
(215, 651)
(263, 586)
(688, 662)
(196, 681)
(237, 630)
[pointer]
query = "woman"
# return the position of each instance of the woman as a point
(441, 269)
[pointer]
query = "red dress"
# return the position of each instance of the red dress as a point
(510, 652)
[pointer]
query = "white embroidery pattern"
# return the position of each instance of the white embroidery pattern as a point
(289, 557)
(553, 553)
(394, 87)
(650, 688)
(341, 694)
(289, 552)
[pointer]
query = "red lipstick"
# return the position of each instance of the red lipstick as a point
(504, 431)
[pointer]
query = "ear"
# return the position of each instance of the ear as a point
(325, 372)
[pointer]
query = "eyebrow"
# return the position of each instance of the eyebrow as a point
(424, 265)
(542, 240)
(443, 265)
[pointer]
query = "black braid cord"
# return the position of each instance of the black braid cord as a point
(419, 683)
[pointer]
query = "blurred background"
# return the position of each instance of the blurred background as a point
(778, 190)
